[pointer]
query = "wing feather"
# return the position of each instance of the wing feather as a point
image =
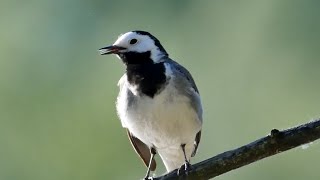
(196, 144)
(184, 79)
(187, 86)
(142, 150)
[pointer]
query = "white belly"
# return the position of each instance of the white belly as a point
(164, 122)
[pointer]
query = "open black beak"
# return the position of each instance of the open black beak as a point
(110, 50)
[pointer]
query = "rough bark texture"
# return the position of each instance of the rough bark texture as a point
(276, 142)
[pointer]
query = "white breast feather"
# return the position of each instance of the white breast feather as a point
(165, 121)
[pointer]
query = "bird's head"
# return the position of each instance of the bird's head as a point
(136, 47)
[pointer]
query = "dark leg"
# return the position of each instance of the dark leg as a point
(153, 152)
(187, 166)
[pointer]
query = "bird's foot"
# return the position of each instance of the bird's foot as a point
(184, 169)
(148, 178)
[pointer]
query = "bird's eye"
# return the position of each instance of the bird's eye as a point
(133, 41)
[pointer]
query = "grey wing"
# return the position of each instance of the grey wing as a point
(183, 81)
(187, 86)
(185, 73)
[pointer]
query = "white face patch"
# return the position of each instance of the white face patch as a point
(143, 44)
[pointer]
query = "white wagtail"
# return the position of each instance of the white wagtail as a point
(158, 103)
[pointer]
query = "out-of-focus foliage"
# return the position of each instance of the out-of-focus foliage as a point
(256, 64)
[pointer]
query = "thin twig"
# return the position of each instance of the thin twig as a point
(276, 142)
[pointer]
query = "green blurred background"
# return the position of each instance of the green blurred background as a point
(256, 64)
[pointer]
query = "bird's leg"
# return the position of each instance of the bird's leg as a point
(186, 166)
(153, 152)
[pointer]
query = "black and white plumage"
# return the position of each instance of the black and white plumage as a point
(158, 103)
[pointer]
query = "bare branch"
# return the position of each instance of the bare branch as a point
(276, 142)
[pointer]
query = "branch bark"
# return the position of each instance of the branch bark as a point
(276, 142)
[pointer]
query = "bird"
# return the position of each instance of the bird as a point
(158, 104)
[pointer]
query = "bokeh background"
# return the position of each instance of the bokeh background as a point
(256, 64)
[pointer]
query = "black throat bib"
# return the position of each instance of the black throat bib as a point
(149, 77)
